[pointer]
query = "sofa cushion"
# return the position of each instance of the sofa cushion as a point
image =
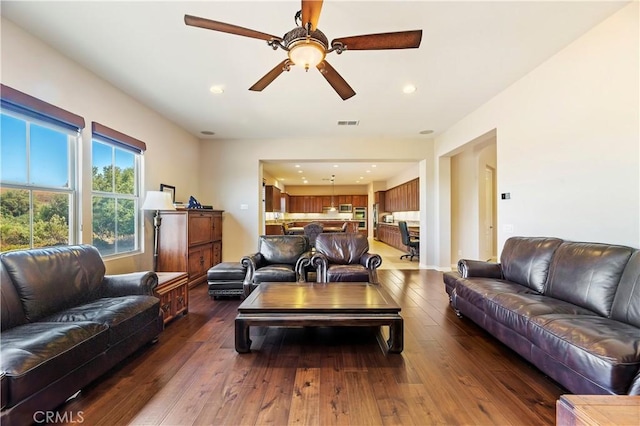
(604, 350)
(37, 354)
(124, 315)
(514, 310)
(347, 273)
(275, 273)
(626, 305)
(51, 279)
(587, 274)
(525, 260)
(477, 290)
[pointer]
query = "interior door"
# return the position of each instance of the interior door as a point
(488, 252)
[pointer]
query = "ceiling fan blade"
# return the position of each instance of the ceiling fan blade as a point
(335, 80)
(398, 40)
(311, 13)
(208, 24)
(269, 77)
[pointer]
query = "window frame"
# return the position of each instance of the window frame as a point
(119, 141)
(74, 140)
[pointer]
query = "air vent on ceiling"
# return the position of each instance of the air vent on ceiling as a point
(348, 122)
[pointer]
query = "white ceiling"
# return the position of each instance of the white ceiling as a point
(470, 52)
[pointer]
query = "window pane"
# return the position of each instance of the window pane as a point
(102, 169)
(104, 224)
(50, 219)
(126, 225)
(125, 172)
(15, 230)
(49, 157)
(13, 150)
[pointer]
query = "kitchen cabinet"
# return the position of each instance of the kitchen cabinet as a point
(360, 200)
(191, 241)
(271, 198)
(273, 229)
(285, 202)
(316, 203)
(402, 198)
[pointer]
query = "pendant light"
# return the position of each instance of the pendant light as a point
(333, 192)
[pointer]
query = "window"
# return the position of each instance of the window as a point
(37, 172)
(115, 165)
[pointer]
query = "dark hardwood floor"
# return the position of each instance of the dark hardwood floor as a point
(451, 372)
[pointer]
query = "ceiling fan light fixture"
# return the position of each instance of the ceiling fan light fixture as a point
(306, 53)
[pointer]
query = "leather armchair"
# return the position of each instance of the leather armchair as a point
(280, 258)
(345, 257)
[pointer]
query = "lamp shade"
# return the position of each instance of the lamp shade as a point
(158, 200)
(306, 54)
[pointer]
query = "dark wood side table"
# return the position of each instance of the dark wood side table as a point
(173, 291)
(598, 410)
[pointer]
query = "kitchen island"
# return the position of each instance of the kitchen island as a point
(297, 226)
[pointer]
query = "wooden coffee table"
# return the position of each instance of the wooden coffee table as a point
(322, 305)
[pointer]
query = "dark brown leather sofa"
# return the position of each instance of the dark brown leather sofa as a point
(345, 257)
(572, 309)
(65, 323)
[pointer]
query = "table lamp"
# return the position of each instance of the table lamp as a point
(157, 200)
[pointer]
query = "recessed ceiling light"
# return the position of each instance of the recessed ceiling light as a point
(306, 181)
(368, 171)
(216, 89)
(374, 165)
(409, 88)
(336, 166)
(426, 132)
(361, 177)
(207, 132)
(300, 171)
(297, 165)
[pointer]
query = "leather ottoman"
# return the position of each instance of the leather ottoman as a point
(225, 279)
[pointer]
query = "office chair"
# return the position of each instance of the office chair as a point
(413, 244)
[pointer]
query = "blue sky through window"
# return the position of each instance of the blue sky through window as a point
(49, 154)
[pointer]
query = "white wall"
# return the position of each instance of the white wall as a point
(568, 146)
(171, 158)
(230, 176)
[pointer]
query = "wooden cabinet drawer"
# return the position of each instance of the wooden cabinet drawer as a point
(200, 227)
(173, 292)
(200, 260)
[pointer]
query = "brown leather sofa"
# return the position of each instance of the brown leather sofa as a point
(572, 309)
(345, 257)
(280, 258)
(65, 323)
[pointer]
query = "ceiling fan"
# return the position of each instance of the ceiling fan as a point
(307, 46)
